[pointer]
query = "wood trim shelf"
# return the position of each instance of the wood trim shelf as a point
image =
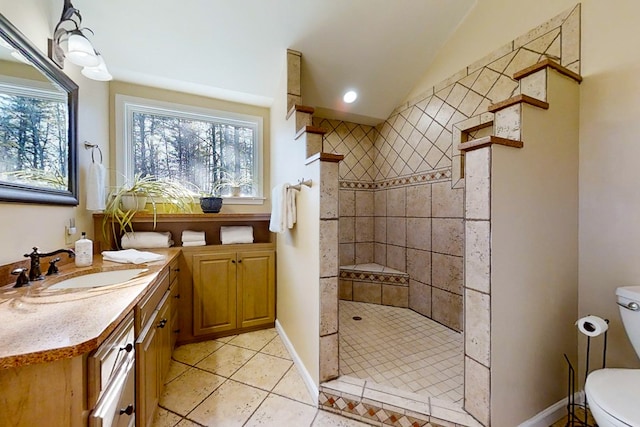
(487, 141)
(526, 99)
(544, 64)
(177, 223)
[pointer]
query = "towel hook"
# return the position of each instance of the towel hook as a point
(93, 147)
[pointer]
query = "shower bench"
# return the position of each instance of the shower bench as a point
(374, 283)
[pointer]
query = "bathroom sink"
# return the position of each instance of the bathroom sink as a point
(101, 278)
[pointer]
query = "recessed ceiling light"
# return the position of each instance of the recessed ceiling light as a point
(350, 96)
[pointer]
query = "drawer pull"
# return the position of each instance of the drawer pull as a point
(162, 323)
(127, 347)
(177, 270)
(176, 331)
(128, 410)
(177, 296)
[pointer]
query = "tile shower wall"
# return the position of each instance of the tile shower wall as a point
(401, 182)
(409, 224)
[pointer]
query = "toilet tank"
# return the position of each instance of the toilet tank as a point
(629, 304)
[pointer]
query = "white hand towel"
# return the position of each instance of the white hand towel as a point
(278, 208)
(192, 236)
(236, 234)
(291, 214)
(194, 243)
(131, 256)
(96, 190)
(146, 239)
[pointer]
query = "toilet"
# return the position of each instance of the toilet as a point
(613, 395)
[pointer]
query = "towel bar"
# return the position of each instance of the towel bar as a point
(306, 182)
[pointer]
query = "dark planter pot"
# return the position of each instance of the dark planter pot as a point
(211, 204)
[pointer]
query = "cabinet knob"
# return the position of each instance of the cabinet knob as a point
(127, 347)
(177, 296)
(176, 331)
(162, 323)
(239, 261)
(128, 410)
(176, 269)
(233, 261)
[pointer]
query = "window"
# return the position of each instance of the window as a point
(217, 152)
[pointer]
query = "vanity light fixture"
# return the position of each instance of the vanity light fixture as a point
(79, 49)
(350, 97)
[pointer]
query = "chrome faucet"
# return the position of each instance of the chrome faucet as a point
(34, 270)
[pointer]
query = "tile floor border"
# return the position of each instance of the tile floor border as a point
(381, 405)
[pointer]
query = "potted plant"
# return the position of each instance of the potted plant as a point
(210, 204)
(124, 202)
(233, 182)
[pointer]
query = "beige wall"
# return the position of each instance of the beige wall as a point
(534, 258)
(164, 95)
(298, 268)
(26, 225)
(609, 200)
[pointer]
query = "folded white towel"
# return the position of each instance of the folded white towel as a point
(96, 189)
(236, 234)
(278, 208)
(196, 243)
(146, 239)
(131, 256)
(192, 236)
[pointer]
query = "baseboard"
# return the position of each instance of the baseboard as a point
(306, 377)
(553, 413)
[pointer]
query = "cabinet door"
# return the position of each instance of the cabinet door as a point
(214, 293)
(174, 297)
(163, 324)
(147, 387)
(256, 288)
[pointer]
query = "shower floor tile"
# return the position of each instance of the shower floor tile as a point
(400, 348)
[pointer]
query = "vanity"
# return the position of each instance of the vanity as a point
(99, 356)
(72, 357)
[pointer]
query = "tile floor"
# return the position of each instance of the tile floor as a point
(400, 348)
(244, 380)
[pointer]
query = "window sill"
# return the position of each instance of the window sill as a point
(243, 200)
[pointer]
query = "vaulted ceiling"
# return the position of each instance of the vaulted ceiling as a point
(235, 49)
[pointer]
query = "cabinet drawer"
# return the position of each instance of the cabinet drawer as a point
(146, 307)
(107, 358)
(116, 406)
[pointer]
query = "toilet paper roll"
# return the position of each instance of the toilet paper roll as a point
(592, 326)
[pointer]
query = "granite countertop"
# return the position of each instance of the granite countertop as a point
(42, 325)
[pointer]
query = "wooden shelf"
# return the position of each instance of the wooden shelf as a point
(177, 223)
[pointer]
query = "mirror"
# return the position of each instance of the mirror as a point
(38, 110)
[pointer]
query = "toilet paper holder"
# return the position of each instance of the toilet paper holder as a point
(572, 418)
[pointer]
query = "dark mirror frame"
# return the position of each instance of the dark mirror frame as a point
(31, 194)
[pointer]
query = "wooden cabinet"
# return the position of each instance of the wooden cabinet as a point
(214, 293)
(154, 345)
(256, 289)
(233, 289)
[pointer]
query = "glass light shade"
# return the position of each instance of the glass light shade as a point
(350, 97)
(80, 51)
(99, 72)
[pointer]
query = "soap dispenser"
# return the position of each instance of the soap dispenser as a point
(84, 251)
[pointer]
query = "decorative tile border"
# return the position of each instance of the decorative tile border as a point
(357, 185)
(426, 177)
(420, 178)
(380, 405)
(371, 276)
(371, 412)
